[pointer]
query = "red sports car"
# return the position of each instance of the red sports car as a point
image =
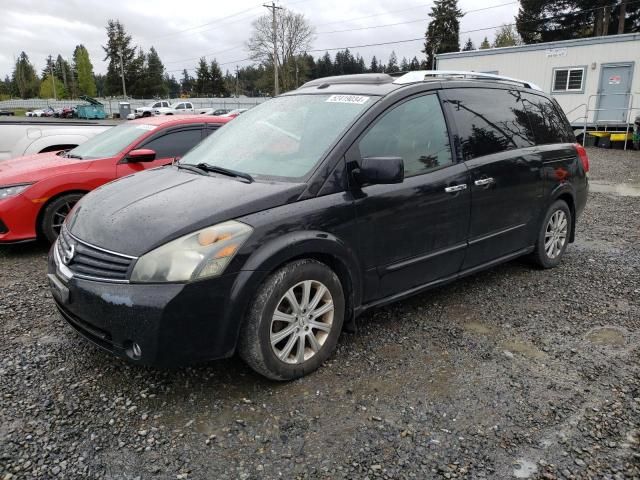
(38, 191)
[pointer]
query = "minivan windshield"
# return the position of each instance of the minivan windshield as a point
(110, 142)
(283, 138)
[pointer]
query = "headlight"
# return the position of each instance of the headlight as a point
(13, 190)
(201, 254)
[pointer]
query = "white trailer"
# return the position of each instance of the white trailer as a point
(595, 80)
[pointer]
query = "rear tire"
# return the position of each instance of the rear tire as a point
(553, 236)
(294, 321)
(55, 213)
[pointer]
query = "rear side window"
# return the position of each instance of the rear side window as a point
(488, 121)
(416, 131)
(547, 123)
(174, 144)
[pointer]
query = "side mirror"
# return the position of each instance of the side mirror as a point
(141, 155)
(379, 170)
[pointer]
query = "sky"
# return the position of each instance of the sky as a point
(182, 31)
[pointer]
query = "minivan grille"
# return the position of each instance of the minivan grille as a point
(85, 260)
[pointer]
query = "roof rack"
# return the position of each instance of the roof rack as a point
(422, 75)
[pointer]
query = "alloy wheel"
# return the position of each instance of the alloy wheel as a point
(60, 215)
(556, 234)
(301, 322)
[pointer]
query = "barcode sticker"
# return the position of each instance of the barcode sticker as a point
(357, 99)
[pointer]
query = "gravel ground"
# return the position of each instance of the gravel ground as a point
(512, 373)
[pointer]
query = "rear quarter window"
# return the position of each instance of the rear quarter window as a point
(488, 121)
(548, 122)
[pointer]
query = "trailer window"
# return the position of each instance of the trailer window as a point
(568, 79)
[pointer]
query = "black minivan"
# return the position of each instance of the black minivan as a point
(290, 221)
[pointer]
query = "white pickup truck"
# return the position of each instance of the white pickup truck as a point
(27, 137)
(177, 108)
(148, 110)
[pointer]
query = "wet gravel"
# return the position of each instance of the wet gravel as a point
(513, 373)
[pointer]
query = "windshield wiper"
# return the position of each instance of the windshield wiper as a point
(224, 171)
(191, 168)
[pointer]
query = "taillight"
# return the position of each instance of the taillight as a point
(584, 158)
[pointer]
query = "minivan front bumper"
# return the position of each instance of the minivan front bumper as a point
(163, 325)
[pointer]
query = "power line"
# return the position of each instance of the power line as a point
(413, 21)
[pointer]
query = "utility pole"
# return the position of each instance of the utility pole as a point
(53, 81)
(273, 8)
(621, 16)
(124, 89)
(237, 79)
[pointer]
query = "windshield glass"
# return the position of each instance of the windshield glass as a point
(111, 141)
(284, 137)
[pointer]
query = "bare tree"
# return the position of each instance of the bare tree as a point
(294, 35)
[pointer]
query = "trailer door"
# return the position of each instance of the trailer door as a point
(614, 91)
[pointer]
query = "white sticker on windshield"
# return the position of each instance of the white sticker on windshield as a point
(357, 99)
(146, 127)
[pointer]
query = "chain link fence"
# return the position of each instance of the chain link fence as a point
(111, 104)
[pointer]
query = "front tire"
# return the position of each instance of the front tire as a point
(55, 213)
(554, 235)
(294, 321)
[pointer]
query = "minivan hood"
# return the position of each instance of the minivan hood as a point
(143, 211)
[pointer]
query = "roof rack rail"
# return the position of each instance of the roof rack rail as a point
(422, 75)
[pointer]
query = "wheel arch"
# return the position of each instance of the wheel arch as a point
(43, 207)
(320, 246)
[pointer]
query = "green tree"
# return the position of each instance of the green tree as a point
(173, 86)
(324, 66)
(119, 44)
(86, 84)
(415, 64)
(543, 21)
(506, 36)
(203, 78)
(443, 32)
(218, 88)
(485, 44)
(404, 65)
(24, 80)
(392, 66)
(186, 83)
(47, 85)
(154, 75)
(468, 46)
(374, 67)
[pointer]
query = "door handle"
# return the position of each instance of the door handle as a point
(456, 188)
(484, 182)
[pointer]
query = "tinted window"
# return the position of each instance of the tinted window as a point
(416, 131)
(489, 121)
(174, 144)
(547, 123)
(209, 130)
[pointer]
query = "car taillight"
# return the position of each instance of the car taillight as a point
(584, 158)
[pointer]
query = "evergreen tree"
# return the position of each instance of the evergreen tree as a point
(324, 66)
(156, 85)
(218, 88)
(203, 79)
(485, 44)
(543, 21)
(404, 65)
(173, 86)
(186, 83)
(374, 67)
(443, 32)
(392, 66)
(86, 84)
(49, 66)
(62, 70)
(415, 64)
(101, 81)
(468, 46)
(506, 36)
(137, 81)
(119, 43)
(24, 80)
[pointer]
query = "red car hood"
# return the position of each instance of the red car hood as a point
(33, 168)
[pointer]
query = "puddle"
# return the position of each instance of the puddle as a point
(608, 336)
(524, 468)
(525, 349)
(622, 189)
